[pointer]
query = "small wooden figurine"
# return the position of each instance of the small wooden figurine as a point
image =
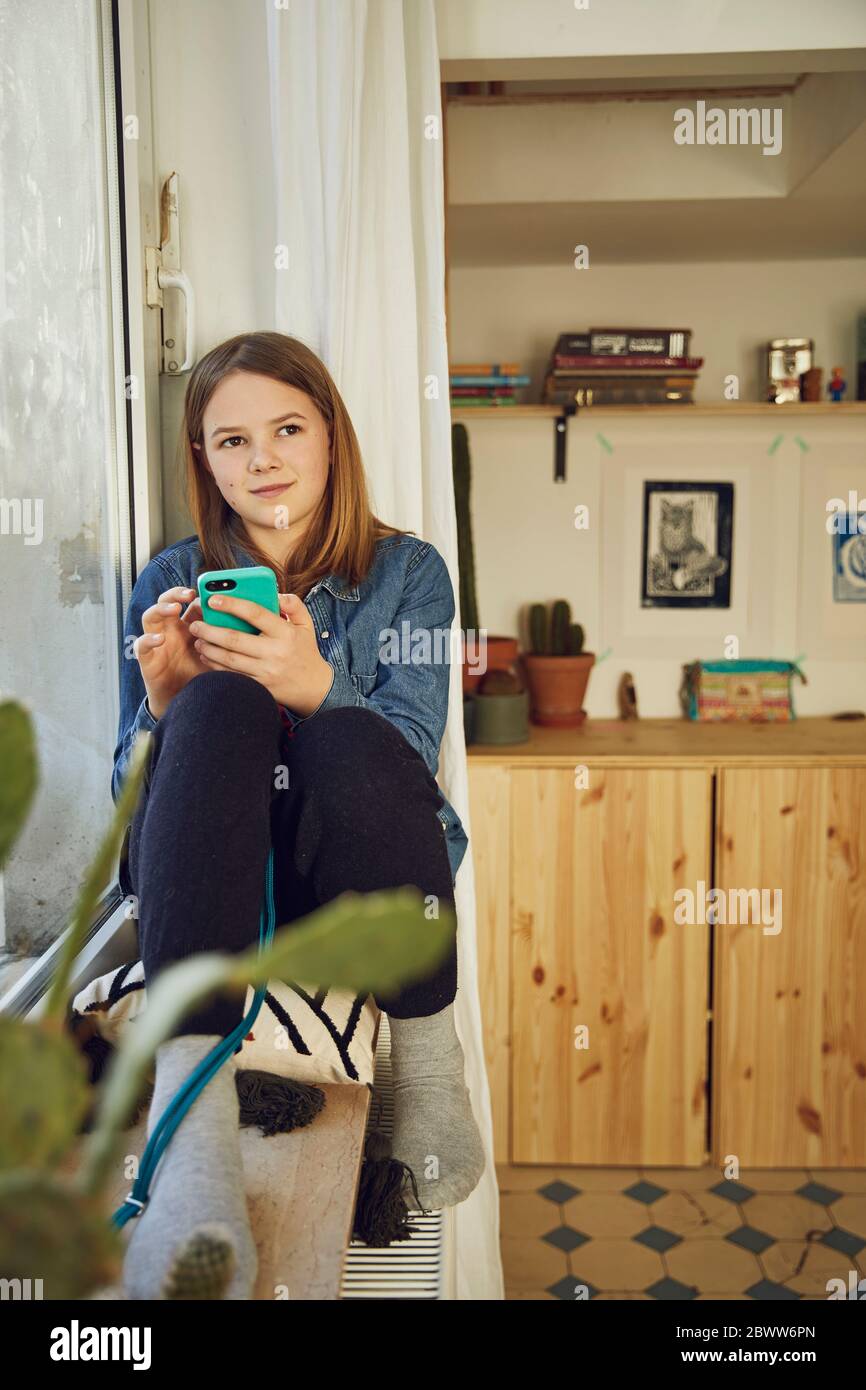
(627, 696)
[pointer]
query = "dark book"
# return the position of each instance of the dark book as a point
(572, 342)
(579, 362)
(604, 394)
(666, 375)
(658, 342)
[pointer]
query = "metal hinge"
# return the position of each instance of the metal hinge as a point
(162, 272)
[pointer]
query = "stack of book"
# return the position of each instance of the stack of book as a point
(485, 383)
(622, 366)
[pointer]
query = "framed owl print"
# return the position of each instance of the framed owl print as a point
(687, 544)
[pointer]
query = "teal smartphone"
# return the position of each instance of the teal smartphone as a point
(254, 582)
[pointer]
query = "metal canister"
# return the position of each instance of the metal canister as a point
(787, 360)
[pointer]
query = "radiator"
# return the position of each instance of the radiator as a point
(419, 1268)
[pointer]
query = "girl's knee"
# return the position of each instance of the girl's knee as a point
(221, 697)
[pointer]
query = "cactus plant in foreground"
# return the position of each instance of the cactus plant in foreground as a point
(55, 1227)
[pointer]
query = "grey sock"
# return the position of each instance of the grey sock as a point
(196, 1216)
(434, 1129)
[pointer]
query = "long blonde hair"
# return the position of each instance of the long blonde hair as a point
(342, 533)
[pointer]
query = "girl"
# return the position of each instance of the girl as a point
(274, 477)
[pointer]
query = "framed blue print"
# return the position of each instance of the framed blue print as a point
(849, 558)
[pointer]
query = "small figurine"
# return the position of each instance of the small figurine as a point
(627, 696)
(837, 385)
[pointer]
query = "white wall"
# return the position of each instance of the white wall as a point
(485, 29)
(526, 544)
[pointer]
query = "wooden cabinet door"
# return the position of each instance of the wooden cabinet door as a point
(789, 1041)
(594, 873)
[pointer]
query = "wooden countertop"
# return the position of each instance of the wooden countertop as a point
(684, 743)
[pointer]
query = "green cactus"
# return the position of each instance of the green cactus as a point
(203, 1267)
(539, 636)
(44, 1094)
(98, 875)
(557, 637)
(500, 683)
(51, 1232)
(559, 625)
(465, 546)
(20, 774)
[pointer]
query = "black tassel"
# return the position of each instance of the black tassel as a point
(98, 1052)
(90, 1042)
(276, 1104)
(381, 1213)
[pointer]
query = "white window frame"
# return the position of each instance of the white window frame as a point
(141, 217)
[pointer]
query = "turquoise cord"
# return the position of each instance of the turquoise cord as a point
(198, 1079)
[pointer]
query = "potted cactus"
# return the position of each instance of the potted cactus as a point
(557, 667)
(501, 709)
(500, 652)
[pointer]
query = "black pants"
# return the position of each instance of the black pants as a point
(358, 813)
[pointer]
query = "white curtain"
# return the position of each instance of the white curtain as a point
(358, 167)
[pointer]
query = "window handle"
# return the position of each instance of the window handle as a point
(163, 272)
(179, 280)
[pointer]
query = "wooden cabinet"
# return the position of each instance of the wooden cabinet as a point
(789, 1041)
(609, 996)
(701, 1038)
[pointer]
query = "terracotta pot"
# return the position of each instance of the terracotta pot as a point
(502, 719)
(501, 655)
(557, 685)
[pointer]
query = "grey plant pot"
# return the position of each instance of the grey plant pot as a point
(502, 718)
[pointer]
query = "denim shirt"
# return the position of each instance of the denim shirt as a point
(408, 590)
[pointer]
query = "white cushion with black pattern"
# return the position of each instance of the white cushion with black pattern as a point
(313, 1035)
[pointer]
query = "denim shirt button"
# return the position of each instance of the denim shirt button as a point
(326, 634)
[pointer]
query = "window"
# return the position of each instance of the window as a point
(65, 526)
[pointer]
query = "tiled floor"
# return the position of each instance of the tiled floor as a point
(680, 1233)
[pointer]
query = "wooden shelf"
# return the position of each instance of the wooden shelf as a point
(732, 408)
(806, 742)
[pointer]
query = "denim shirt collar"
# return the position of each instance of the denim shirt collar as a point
(334, 583)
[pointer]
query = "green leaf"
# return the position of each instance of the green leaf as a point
(98, 876)
(361, 941)
(20, 774)
(44, 1094)
(49, 1231)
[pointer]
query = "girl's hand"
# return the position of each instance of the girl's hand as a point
(283, 655)
(165, 651)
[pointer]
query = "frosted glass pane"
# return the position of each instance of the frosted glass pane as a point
(58, 496)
